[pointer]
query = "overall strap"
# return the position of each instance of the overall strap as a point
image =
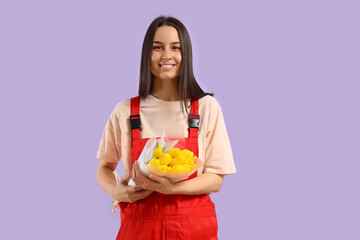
(194, 120)
(135, 125)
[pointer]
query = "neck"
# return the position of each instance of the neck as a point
(165, 89)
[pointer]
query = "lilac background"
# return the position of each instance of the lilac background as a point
(286, 74)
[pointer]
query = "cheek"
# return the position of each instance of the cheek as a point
(179, 61)
(155, 56)
(178, 58)
(154, 62)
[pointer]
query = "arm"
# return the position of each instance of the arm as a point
(121, 192)
(203, 184)
(105, 176)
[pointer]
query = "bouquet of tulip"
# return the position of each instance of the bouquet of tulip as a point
(160, 157)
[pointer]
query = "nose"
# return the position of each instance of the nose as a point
(166, 54)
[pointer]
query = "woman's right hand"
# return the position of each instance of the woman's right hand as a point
(124, 193)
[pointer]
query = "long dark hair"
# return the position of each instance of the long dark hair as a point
(188, 86)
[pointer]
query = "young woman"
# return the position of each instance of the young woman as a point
(168, 94)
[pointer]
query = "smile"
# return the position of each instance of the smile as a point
(167, 66)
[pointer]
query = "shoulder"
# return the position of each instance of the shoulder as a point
(122, 108)
(209, 104)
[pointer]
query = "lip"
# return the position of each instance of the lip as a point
(166, 64)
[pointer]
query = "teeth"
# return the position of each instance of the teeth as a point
(166, 66)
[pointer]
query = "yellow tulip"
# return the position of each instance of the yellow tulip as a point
(174, 152)
(174, 160)
(165, 159)
(177, 169)
(180, 168)
(157, 152)
(164, 168)
(179, 160)
(154, 162)
(190, 161)
(187, 153)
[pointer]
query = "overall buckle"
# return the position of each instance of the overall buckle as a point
(194, 121)
(135, 122)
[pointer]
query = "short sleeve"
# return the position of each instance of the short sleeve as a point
(218, 152)
(110, 143)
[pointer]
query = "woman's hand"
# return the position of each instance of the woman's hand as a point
(124, 193)
(153, 183)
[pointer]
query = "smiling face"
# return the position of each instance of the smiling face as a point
(166, 54)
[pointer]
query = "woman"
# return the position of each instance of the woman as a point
(168, 93)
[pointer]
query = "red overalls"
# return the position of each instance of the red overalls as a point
(170, 217)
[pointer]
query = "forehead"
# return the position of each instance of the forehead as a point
(166, 34)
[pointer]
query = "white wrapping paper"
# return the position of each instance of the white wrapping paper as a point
(147, 154)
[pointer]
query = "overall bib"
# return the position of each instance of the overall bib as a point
(170, 217)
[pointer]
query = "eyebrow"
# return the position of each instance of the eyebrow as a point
(162, 43)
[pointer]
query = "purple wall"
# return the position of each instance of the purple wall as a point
(286, 74)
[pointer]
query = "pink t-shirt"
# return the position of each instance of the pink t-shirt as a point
(156, 115)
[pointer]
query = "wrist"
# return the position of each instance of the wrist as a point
(175, 189)
(112, 191)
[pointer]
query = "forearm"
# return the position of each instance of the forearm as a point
(203, 184)
(106, 179)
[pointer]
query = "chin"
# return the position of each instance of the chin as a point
(167, 76)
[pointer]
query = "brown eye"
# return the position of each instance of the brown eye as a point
(156, 47)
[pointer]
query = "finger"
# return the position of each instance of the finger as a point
(142, 194)
(140, 178)
(146, 193)
(134, 171)
(137, 188)
(139, 173)
(133, 197)
(157, 178)
(138, 183)
(133, 166)
(133, 189)
(117, 177)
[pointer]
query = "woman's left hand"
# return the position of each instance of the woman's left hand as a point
(153, 183)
